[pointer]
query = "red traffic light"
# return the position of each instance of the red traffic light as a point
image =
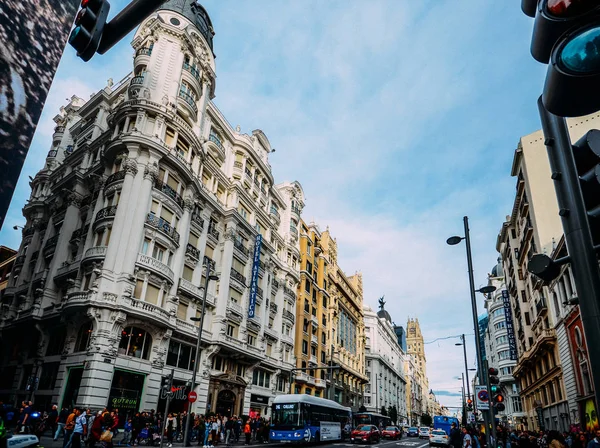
(492, 371)
(499, 398)
(570, 8)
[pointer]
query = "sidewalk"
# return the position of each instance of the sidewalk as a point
(47, 442)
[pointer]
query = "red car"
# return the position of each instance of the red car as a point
(365, 433)
(391, 432)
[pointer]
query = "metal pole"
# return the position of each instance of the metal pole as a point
(291, 379)
(578, 237)
(490, 411)
(466, 365)
(197, 361)
(131, 16)
(474, 310)
(464, 403)
(164, 422)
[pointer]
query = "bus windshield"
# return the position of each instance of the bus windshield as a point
(286, 415)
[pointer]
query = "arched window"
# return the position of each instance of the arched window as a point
(83, 337)
(135, 342)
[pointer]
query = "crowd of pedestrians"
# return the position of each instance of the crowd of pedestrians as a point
(86, 428)
(474, 438)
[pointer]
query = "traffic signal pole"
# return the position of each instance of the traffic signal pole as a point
(578, 237)
(492, 438)
(166, 414)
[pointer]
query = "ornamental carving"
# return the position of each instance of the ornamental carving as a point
(130, 166)
(151, 172)
(188, 204)
(74, 199)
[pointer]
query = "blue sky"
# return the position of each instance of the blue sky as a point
(397, 117)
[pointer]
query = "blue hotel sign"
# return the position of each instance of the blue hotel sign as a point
(254, 279)
(510, 329)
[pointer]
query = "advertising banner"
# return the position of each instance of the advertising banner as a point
(331, 431)
(254, 279)
(510, 329)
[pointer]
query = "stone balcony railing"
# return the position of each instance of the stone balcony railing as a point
(314, 339)
(239, 277)
(166, 189)
(288, 315)
(241, 248)
(235, 307)
(192, 252)
(288, 292)
(158, 223)
(198, 220)
(155, 265)
(287, 339)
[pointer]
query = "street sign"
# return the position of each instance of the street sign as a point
(482, 398)
(192, 397)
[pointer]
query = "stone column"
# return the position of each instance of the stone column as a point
(139, 206)
(179, 257)
(120, 222)
(205, 93)
(225, 271)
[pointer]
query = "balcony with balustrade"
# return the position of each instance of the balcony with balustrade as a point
(170, 192)
(198, 221)
(50, 246)
(187, 103)
(114, 178)
(235, 307)
(192, 252)
(213, 233)
(241, 249)
(289, 292)
(238, 278)
(314, 340)
(215, 146)
(163, 226)
(156, 266)
(104, 215)
(95, 253)
(289, 316)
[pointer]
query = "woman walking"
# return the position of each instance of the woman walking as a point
(171, 427)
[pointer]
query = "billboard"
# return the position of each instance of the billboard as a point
(254, 279)
(33, 35)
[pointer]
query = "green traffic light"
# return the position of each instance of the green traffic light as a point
(580, 54)
(494, 388)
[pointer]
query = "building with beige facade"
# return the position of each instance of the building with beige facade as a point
(145, 185)
(543, 369)
(417, 372)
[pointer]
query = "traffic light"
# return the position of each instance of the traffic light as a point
(493, 376)
(89, 26)
(566, 35)
(586, 153)
(498, 401)
(469, 405)
(167, 384)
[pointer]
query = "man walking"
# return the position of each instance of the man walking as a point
(80, 429)
(62, 420)
(455, 437)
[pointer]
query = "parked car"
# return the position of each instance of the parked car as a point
(423, 432)
(391, 432)
(365, 433)
(413, 432)
(439, 437)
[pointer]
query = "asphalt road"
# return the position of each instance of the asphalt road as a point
(406, 442)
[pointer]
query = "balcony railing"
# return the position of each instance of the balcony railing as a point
(119, 175)
(158, 223)
(248, 172)
(273, 307)
(240, 246)
(106, 212)
(237, 165)
(20, 260)
(207, 260)
(51, 242)
(287, 339)
(137, 80)
(540, 305)
(275, 284)
(296, 210)
(235, 307)
(192, 252)
(286, 314)
(193, 70)
(238, 276)
(213, 232)
(289, 292)
(293, 230)
(216, 140)
(198, 220)
(95, 252)
(156, 265)
(274, 212)
(259, 291)
(161, 186)
(145, 51)
(80, 232)
(188, 99)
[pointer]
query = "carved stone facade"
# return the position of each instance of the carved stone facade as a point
(145, 185)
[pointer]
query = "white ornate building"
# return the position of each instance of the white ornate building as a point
(497, 349)
(145, 183)
(384, 365)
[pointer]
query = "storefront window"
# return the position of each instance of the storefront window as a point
(135, 342)
(125, 392)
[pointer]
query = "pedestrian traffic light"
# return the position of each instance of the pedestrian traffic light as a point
(89, 26)
(493, 376)
(167, 383)
(566, 34)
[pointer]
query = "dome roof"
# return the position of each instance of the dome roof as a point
(383, 314)
(497, 270)
(195, 13)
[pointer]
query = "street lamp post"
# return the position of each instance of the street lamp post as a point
(200, 319)
(464, 344)
(452, 241)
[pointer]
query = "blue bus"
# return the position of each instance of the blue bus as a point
(304, 418)
(444, 423)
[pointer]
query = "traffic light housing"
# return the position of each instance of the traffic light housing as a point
(167, 383)
(469, 405)
(498, 401)
(566, 35)
(493, 376)
(89, 26)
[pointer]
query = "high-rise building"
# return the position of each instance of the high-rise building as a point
(385, 364)
(311, 311)
(416, 350)
(499, 336)
(145, 185)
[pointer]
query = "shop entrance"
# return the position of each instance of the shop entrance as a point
(225, 403)
(72, 389)
(125, 393)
